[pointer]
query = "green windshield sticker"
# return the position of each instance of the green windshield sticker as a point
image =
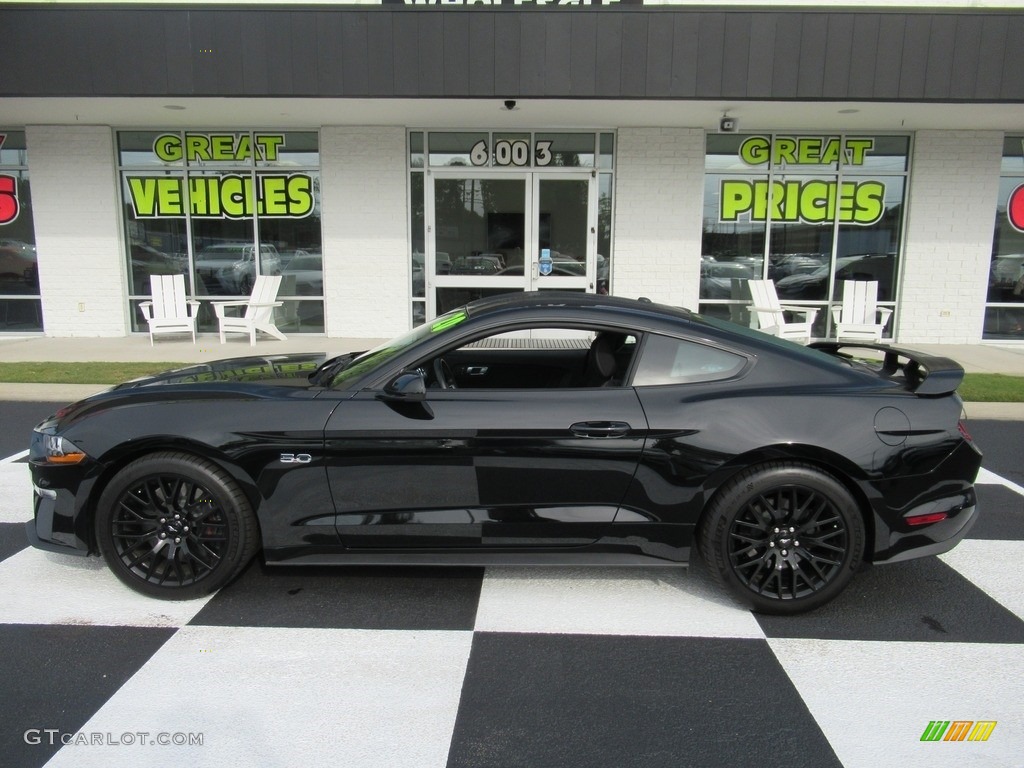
(448, 321)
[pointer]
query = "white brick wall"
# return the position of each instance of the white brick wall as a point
(74, 205)
(365, 221)
(659, 191)
(954, 187)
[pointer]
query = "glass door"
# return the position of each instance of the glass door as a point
(489, 234)
(564, 234)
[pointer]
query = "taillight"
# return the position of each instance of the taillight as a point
(962, 427)
(932, 517)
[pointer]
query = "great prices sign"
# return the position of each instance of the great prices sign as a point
(228, 195)
(858, 202)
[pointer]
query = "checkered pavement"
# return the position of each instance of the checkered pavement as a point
(504, 667)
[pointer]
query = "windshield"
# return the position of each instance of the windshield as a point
(391, 349)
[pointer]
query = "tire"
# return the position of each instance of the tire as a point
(783, 537)
(174, 526)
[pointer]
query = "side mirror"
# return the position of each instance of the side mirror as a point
(409, 387)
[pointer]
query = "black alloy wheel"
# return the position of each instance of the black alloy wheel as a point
(785, 538)
(174, 526)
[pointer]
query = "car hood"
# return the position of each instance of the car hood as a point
(275, 369)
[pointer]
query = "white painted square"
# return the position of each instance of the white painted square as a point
(993, 566)
(38, 587)
(874, 700)
(288, 697)
(15, 493)
(610, 601)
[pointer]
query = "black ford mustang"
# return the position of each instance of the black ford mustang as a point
(546, 428)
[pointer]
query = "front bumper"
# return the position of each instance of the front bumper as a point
(58, 522)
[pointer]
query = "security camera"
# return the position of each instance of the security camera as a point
(728, 124)
(510, 104)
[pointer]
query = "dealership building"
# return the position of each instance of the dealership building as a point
(392, 160)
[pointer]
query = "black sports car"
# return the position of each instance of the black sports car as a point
(554, 428)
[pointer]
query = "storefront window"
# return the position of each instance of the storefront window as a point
(223, 208)
(806, 211)
(1004, 311)
(20, 305)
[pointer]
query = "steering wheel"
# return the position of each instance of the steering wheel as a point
(443, 374)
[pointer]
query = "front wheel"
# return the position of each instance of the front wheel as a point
(785, 538)
(174, 526)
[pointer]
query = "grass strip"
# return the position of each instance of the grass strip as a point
(79, 373)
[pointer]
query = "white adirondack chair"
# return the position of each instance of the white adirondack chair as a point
(259, 311)
(770, 314)
(169, 311)
(859, 318)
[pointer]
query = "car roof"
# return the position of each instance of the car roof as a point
(573, 300)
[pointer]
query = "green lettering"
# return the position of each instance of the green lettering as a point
(168, 147)
(830, 152)
(168, 195)
(760, 210)
(809, 151)
(235, 197)
(857, 149)
(203, 199)
(736, 196)
(222, 146)
(755, 150)
(785, 151)
(870, 198)
(300, 196)
(268, 144)
(244, 151)
(143, 194)
(274, 200)
(197, 147)
(814, 202)
(847, 201)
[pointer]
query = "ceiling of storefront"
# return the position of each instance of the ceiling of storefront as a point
(491, 113)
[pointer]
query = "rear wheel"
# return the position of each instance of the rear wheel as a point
(174, 526)
(785, 537)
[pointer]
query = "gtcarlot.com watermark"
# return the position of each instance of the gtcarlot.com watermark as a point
(55, 737)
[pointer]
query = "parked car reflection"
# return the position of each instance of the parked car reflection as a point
(230, 268)
(717, 277)
(147, 260)
(864, 266)
(1006, 278)
(307, 269)
(18, 265)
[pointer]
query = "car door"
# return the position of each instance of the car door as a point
(512, 468)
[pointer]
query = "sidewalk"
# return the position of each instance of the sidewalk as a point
(975, 358)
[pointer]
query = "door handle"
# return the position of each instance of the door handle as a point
(603, 429)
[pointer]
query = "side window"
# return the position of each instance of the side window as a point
(542, 357)
(665, 360)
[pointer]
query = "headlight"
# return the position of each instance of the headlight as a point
(59, 450)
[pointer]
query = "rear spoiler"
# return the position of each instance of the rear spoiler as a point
(925, 375)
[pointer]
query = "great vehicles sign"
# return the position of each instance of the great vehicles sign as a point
(858, 201)
(231, 194)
